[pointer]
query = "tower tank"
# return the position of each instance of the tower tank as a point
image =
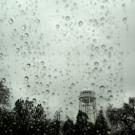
(87, 104)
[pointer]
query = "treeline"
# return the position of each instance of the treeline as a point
(122, 120)
(29, 119)
(26, 118)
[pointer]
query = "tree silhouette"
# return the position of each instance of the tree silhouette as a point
(122, 120)
(26, 118)
(82, 126)
(31, 119)
(68, 128)
(101, 125)
(4, 93)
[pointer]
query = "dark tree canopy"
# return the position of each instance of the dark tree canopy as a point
(4, 93)
(68, 128)
(28, 118)
(122, 119)
(83, 126)
(101, 125)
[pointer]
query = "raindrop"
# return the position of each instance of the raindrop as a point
(57, 26)
(123, 5)
(37, 20)
(109, 91)
(111, 96)
(26, 35)
(103, 46)
(47, 85)
(28, 86)
(71, 103)
(11, 21)
(80, 23)
(96, 63)
(26, 43)
(26, 78)
(28, 65)
(67, 18)
(102, 87)
(23, 27)
(124, 19)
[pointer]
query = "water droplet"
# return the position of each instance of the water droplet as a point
(96, 63)
(26, 35)
(26, 43)
(11, 21)
(67, 18)
(80, 23)
(57, 26)
(28, 65)
(124, 19)
(102, 87)
(23, 27)
(26, 78)
(47, 91)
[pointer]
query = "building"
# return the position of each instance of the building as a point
(87, 104)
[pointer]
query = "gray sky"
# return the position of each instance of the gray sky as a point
(51, 50)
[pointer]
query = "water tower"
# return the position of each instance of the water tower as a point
(87, 104)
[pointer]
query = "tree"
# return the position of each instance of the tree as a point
(4, 93)
(90, 129)
(30, 118)
(122, 119)
(7, 122)
(68, 128)
(82, 126)
(23, 112)
(26, 118)
(101, 125)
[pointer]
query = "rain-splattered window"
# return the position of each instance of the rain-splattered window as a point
(67, 67)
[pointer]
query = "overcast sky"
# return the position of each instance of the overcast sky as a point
(51, 50)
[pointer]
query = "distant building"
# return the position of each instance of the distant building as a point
(57, 116)
(87, 104)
